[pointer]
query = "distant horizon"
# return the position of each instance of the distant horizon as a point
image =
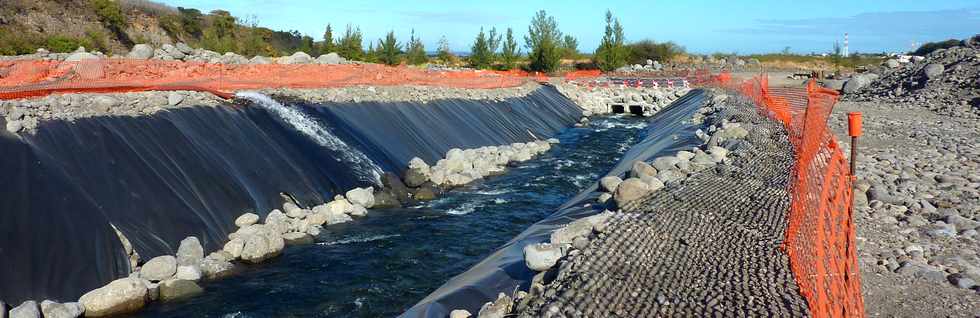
(704, 27)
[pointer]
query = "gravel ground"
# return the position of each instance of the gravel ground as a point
(917, 241)
(708, 246)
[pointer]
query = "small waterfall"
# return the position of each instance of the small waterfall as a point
(363, 166)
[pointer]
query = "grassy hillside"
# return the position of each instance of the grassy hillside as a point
(113, 26)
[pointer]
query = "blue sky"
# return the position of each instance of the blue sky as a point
(701, 26)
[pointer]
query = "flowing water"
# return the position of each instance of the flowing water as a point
(382, 264)
(359, 162)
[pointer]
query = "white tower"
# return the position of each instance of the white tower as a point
(845, 45)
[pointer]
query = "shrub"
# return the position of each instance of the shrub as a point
(109, 14)
(389, 49)
(349, 45)
(416, 51)
(543, 42)
(480, 54)
(649, 49)
(929, 47)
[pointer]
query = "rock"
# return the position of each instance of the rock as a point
(386, 199)
(215, 268)
(298, 213)
(566, 234)
(630, 190)
(190, 252)
(258, 59)
(14, 126)
(296, 238)
(392, 184)
(857, 82)
(297, 58)
(892, 63)
(3, 309)
(641, 169)
(580, 242)
(610, 183)
(498, 308)
(460, 313)
(81, 56)
(933, 71)
(665, 163)
(159, 268)
(178, 288)
(265, 243)
(27, 309)
(234, 247)
(426, 192)
(184, 48)
(140, 52)
(357, 210)
(124, 295)
(361, 196)
(246, 219)
(959, 281)
(52, 309)
(276, 216)
(330, 58)
(192, 273)
(174, 98)
(541, 256)
(604, 197)
(104, 103)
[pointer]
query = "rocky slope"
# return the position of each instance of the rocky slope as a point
(946, 81)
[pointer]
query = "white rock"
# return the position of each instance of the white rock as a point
(541, 256)
(234, 247)
(140, 52)
(361, 196)
(460, 313)
(159, 268)
(52, 309)
(357, 210)
(246, 219)
(27, 309)
(192, 273)
(190, 251)
(124, 295)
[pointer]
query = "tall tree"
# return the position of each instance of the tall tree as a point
(389, 49)
(543, 43)
(416, 51)
(569, 46)
(444, 54)
(612, 52)
(510, 52)
(328, 45)
(349, 45)
(480, 55)
(493, 42)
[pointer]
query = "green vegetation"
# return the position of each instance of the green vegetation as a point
(110, 14)
(544, 43)
(929, 47)
(443, 54)
(389, 49)
(481, 57)
(510, 53)
(640, 52)
(349, 45)
(612, 52)
(569, 47)
(328, 45)
(415, 53)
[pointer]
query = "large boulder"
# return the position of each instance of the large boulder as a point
(330, 58)
(124, 295)
(190, 252)
(418, 172)
(610, 183)
(258, 59)
(934, 70)
(215, 267)
(892, 63)
(178, 288)
(246, 219)
(857, 82)
(642, 169)
(159, 268)
(140, 52)
(631, 189)
(189, 272)
(184, 48)
(361, 196)
(297, 58)
(542, 256)
(264, 242)
(81, 56)
(27, 309)
(52, 309)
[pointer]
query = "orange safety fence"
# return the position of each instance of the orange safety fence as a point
(31, 78)
(820, 234)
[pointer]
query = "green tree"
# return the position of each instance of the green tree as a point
(389, 49)
(493, 42)
(444, 54)
(612, 52)
(349, 45)
(416, 51)
(569, 46)
(480, 54)
(543, 42)
(110, 14)
(328, 45)
(510, 52)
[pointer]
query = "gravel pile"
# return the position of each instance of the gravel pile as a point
(946, 81)
(181, 52)
(917, 210)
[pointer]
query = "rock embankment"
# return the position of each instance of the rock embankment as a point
(402, 93)
(917, 210)
(461, 167)
(600, 100)
(946, 81)
(181, 52)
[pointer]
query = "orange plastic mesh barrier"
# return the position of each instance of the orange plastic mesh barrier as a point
(30, 78)
(820, 237)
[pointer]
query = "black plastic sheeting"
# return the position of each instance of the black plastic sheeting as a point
(668, 132)
(192, 171)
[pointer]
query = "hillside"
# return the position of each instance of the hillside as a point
(114, 26)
